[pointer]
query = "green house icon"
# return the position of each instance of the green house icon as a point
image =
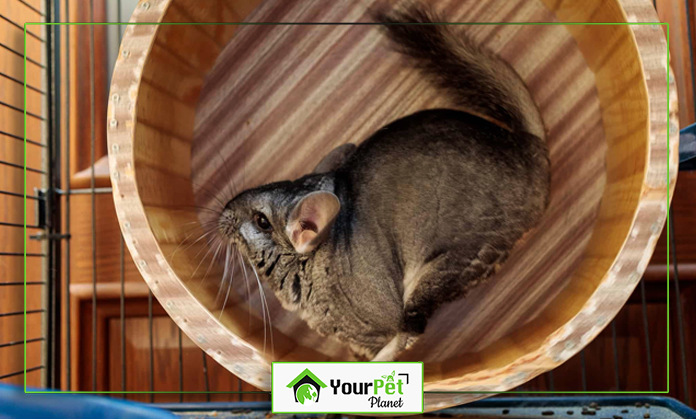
(306, 387)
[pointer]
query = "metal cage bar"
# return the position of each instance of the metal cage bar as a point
(68, 334)
(92, 127)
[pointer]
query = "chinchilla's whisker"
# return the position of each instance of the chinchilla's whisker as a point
(229, 285)
(190, 233)
(210, 248)
(231, 273)
(211, 226)
(246, 282)
(179, 246)
(212, 262)
(201, 225)
(185, 245)
(268, 311)
(224, 274)
(198, 207)
(207, 222)
(204, 235)
(207, 245)
(263, 308)
(212, 195)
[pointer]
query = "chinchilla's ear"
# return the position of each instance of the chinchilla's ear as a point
(311, 220)
(335, 158)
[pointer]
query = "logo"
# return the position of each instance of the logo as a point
(383, 393)
(306, 387)
(347, 387)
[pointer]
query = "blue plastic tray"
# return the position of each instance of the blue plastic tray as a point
(14, 403)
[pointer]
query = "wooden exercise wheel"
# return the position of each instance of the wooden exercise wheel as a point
(198, 112)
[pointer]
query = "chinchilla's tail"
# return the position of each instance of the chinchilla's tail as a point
(477, 79)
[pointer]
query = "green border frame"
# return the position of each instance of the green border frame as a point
(331, 23)
(354, 413)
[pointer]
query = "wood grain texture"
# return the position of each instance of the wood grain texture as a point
(602, 92)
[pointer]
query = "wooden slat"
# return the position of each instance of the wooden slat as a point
(34, 358)
(182, 81)
(12, 93)
(588, 11)
(12, 65)
(36, 4)
(162, 151)
(12, 122)
(169, 222)
(191, 43)
(215, 11)
(192, 260)
(19, 13)
(13, 37)
(170, 115)
(15, 215)
(33, 246)
(13, 152)
(177, 194)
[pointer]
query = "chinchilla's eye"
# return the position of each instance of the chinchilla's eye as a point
(262, 221)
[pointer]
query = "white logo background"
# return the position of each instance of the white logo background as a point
(411, 401)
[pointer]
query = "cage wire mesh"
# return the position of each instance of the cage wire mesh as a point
(52, 228)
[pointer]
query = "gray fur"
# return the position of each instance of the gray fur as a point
(430, 205)
(335, 158)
